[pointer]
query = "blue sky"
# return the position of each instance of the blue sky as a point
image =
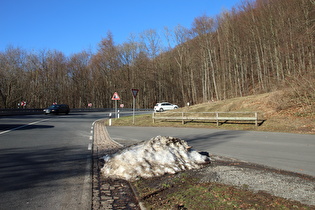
(71, 26)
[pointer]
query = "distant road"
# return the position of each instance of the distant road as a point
(291, 152)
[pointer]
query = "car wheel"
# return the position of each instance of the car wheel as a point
(161, 110)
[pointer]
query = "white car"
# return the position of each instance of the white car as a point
(160, 107)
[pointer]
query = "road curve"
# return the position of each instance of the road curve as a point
(285, 151)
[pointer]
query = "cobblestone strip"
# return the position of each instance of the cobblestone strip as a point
(108, 193)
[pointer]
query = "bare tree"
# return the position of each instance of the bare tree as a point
(81, 88)
(12, 71)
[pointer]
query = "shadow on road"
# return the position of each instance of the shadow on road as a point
(4, 127)
(28, 168)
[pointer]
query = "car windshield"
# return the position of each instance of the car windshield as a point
(53, 106)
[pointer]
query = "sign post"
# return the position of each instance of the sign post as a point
(115, 98)
(134, 93)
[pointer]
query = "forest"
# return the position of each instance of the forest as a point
(259, 46)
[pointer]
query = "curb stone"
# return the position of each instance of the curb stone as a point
(109, 193)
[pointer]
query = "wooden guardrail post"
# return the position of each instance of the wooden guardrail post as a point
(217, 117)
(256, 121)
(183, 121)
(153, 117)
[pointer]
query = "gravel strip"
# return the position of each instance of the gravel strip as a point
(259, 178)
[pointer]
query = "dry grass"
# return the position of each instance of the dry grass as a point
(185, 191)
(281, 112)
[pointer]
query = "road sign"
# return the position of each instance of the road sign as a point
(115, 97)
(134, 92)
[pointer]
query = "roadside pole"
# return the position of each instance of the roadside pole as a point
(134, 93)
(115, 98)
(110, 119)
(115, 108)
(133, 110)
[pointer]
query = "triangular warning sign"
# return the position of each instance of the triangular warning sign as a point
(115, 96)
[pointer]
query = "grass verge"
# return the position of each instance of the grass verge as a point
(184, 191)
(289, 119)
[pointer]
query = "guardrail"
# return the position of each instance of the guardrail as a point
(8, 112)
(218, 117)
(4, 112)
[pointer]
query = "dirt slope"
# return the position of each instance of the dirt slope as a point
(281, 111)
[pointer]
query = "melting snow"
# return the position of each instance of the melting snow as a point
(156, 157)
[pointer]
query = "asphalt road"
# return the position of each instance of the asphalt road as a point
(290, 152)
(45, 162)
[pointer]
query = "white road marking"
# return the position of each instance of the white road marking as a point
(90, 146)
(22, 126)
(86, 196)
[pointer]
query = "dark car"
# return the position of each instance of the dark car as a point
(58, 108)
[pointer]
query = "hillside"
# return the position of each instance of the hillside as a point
(258, 47)
(280, 110)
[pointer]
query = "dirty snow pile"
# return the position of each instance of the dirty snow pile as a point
(158, 156)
